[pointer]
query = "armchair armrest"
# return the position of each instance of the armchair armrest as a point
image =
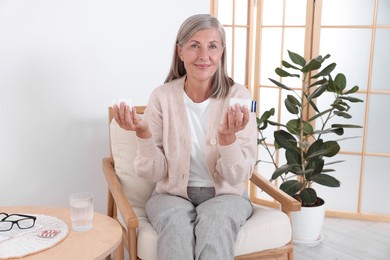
(288, 203)
(119, 196)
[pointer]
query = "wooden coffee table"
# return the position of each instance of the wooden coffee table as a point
(97, 243)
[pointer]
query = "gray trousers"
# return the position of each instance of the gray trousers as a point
(205, 227)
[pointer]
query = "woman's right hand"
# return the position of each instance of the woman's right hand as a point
(128, 119)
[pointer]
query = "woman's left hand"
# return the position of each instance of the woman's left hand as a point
(233, 122)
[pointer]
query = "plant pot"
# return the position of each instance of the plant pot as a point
(307, 224)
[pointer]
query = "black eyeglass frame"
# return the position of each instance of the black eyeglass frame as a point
(23, 217)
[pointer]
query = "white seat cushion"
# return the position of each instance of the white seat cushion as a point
(265, 229)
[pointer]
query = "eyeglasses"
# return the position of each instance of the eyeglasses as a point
(24, 221)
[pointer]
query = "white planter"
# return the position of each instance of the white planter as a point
(307, 224)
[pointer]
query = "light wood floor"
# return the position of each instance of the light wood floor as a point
(349, 240)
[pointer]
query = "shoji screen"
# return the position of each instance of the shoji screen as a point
(280, 26)
(356, 33)
(236, 15)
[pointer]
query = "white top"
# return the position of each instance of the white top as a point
(198, 115)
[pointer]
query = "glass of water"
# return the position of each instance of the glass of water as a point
(81, 210)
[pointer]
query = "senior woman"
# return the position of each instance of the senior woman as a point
(197, 148)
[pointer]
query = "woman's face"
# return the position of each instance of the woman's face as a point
(201, 54)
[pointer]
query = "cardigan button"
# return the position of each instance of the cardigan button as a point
(213, 141)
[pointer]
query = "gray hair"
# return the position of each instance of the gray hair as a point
(221, 81)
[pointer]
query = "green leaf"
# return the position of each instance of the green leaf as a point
(349, 138)
(312, 104)
(317, 154)
(322, 59)
(318, 82)
(274, 123)
(345, 126)
(342, 114)
(331, 85)
(281, 170)
(338, 131)
(352, 99)
(262, 121)
(325, 72)
(308, 196)
(262, 126)
(293, 157)
(318, 92)
(296, 58)
(317, 167)
(312, 65)
(291, 187)
(307, 128)
(328, 170)
(320, 114)
(288, 65)
(277, 83)
(334, 162)
(294, 127)
(352, 90)
(283, 73)
(291, 107)
(339, 107)
(332, 147)
(294, 100)
(297, 170)
(314, 147)
(285, 140)
(326, 180)
(305, 172)
(341, 82)
(340, 101)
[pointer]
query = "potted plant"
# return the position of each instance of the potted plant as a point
(302, 137)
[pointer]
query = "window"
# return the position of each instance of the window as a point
(235, 15)
(356, 34)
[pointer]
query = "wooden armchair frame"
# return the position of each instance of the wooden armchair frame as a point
(117, 201)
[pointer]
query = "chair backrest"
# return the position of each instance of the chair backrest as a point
(123, 151)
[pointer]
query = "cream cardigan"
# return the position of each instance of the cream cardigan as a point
(165, 157)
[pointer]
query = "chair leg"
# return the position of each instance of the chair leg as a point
(290, 255)
(132, 246)
(110, 204)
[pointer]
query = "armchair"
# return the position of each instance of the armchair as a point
(266, 235)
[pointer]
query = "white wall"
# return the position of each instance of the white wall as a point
(61, 64)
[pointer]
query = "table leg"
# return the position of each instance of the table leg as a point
(119, 252)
